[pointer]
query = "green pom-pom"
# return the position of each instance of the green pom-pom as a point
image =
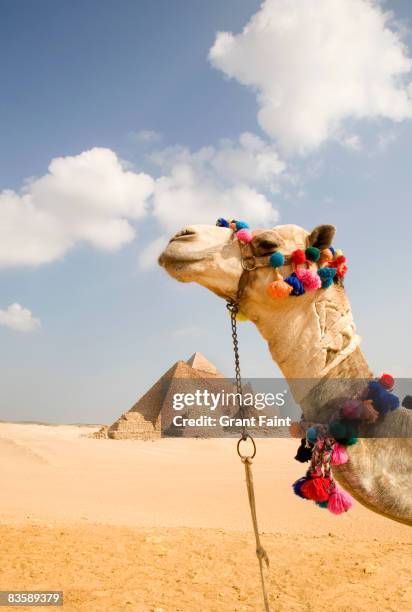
(337, 429)
(312, 254)
(276, 260)
(351, 441)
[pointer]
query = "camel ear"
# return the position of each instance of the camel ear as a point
(322, 236)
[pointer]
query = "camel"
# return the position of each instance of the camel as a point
(311, 337)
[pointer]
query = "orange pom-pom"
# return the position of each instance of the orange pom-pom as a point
(298, 257)
(325, 256)
(279, 289)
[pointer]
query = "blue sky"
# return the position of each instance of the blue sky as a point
(134, 78)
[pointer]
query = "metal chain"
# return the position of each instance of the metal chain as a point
(233, 308)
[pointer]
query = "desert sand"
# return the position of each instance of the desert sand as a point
(165, 526)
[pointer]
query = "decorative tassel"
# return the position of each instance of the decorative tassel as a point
(352, 409)
(277, 259)
(244, 235)
(312, 434)
(387, 381)
(383, 400)
(298, 485)
(241, 225)
(312, 254)
(222, 222)
(279, 289)
(304, 452)
(339, 454)
(339, 501)
(294, 282)
(325, 256)
(316, 489)
(309, 279)
(298, 257)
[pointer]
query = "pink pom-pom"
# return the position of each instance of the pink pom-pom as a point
(244, 235)
(309, 279)
(339, 454)
(339, 501)
(352, 409)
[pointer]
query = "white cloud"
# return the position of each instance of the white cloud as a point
(352, 142)
(91, 197)
(230, 179)
(315, 64)
(18, 318)
(146, 136)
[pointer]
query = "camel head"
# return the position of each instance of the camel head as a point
(211, 255)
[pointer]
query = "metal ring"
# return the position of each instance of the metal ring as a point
(246, 267)
(243, 439)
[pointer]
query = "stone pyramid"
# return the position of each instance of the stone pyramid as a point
(142, 421)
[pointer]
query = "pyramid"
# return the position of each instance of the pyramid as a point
(142, 421)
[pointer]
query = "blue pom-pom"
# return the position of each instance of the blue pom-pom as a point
(276, 260)
(332, 250)
(241, 225)
(327, 283)
(312, 434)
(325, 273)
(294, 282)
(222, 222)
(383, 400)
(298, 485)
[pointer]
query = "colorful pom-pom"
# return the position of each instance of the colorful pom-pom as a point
(279, 289)
(294, 282)
(244, 235)
(232, 225)
(351, 441)
(312, 254)
(369, 414)
(328, 282)
(337, 430)
(383, 400)
(304, 452)
(241, 225)
(298, 257)
(339, 501)
(352, 409)
(339, 455)
(325, 256)
(240, 316)
(316, 489)
(309, 279)
(277, 259)
(298, 485)
(387, 381)
(312, 434)
(341, 270)
(325, 273)
(322, 504)
(333, 251)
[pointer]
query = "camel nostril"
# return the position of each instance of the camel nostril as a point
(186, 233)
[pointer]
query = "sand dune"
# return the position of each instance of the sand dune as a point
(145, 525)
